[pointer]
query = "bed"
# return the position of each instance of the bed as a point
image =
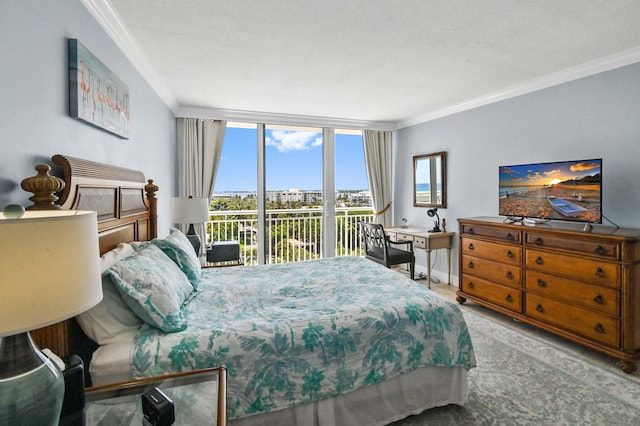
(323, 342)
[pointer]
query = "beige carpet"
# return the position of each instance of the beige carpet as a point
(526, 377)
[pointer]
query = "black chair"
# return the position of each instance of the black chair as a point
(377, 247)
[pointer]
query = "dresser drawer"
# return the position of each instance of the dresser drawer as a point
(507, 235)
(598, 327)
(420, 242)
(494, 251)
(507, 297)
(598, 298)
(601, 249)
(501, 273)
(592, 271)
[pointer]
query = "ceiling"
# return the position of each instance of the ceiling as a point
(391, 61)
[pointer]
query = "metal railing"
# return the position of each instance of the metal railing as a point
(293, 234)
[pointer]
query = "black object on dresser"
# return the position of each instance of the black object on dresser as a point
(584, 286)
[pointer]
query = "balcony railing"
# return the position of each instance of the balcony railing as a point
(293, 235)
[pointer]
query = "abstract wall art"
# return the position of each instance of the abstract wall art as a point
(96, 95)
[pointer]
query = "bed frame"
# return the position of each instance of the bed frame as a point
(126, 207)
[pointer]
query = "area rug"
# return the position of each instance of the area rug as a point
(522, 378)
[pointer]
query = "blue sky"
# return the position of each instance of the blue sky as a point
(294, 161)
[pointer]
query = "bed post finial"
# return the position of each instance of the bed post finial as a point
(151, 189)
(43, 186)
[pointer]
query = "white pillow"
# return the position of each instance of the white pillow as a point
(111, 320)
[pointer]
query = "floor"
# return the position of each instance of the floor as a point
(449, 292)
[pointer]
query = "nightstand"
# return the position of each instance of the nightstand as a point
(199, 397)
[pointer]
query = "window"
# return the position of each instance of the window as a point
(290, 173)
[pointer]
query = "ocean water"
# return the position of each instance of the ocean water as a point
(424, 187)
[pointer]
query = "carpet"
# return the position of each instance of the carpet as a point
(523, 378)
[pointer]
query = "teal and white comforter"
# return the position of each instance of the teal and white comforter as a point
(298, 332)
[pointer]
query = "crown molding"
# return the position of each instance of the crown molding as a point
(111, 23)
(606, 63)
(286, 119)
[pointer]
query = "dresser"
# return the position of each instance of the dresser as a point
(584, 286)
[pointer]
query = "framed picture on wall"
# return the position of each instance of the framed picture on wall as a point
(96, 95)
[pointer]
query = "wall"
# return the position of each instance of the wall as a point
(34, 119)
(594, 117)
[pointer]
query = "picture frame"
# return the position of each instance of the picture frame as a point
(97, 96)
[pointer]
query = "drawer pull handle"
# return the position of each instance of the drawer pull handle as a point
(599, 328)
(539, 308)
(541, 283)
(600, 251)
(471, 247)
(599, 273)
(599, 299)
(471, 284)
(471, 266)
(509, 298)
(510, 254)
(509, 237)
(509, 275)
(539, 260)
(538, 241)
(470, 231)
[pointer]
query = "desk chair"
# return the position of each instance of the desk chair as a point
(378, 248)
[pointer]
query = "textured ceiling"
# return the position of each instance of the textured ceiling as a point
(367, 59)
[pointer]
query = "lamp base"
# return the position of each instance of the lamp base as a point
(31, 387)
(194, 239)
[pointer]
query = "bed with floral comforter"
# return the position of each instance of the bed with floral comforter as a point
(300, 332)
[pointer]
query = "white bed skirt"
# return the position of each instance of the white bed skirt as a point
(378, 404)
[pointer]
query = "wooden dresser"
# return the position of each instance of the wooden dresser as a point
(581, 285)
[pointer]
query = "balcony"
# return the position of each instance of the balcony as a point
(293, 235)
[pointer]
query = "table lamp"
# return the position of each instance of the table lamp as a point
(49, 271)
(436, 223)
(190, 210)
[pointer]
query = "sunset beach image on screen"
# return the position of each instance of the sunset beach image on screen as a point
(563, 190)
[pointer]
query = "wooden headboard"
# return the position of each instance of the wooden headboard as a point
(126, 206)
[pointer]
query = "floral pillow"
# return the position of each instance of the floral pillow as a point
(180, 250)
(153, 287)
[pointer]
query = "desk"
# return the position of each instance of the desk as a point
(424, 240)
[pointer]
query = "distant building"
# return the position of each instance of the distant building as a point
(358, 197)
(294, 195)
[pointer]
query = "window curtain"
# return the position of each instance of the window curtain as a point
(199, 149)
(377, 154)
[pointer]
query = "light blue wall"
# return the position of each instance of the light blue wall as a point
(34, 119)
(594, 117)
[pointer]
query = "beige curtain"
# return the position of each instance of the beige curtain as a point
(377, 154)
(199, 149)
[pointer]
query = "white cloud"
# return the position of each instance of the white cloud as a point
(291, 140)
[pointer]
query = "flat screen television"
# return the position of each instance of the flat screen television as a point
(562, 190)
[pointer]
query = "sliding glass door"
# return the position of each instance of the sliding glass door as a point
(290, 193)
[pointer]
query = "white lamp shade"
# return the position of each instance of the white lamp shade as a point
(190, 210)
(49, 268)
